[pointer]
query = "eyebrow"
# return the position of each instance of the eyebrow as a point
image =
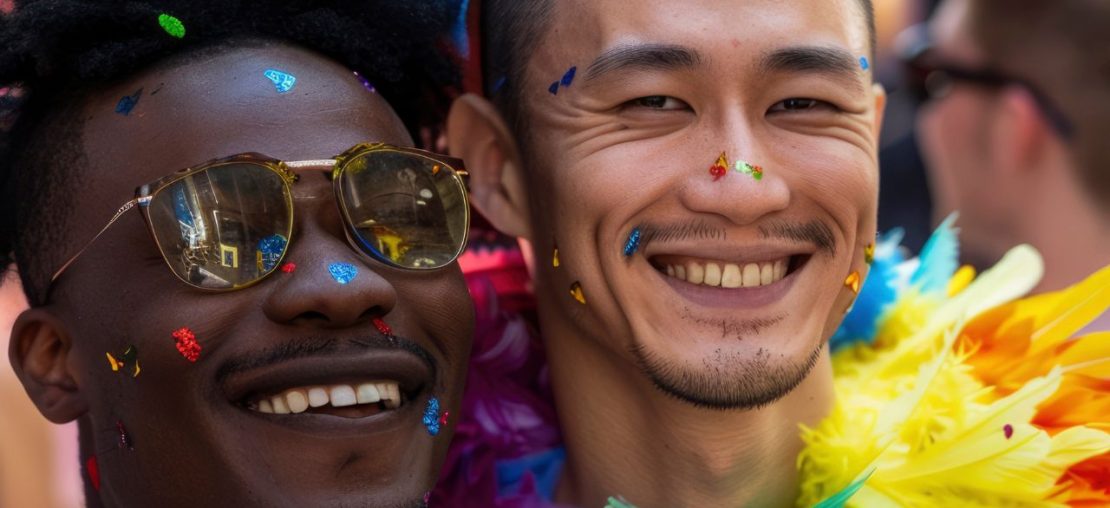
(643, 57)
(833, 63)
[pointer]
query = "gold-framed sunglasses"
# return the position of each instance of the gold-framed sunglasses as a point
(227, 224)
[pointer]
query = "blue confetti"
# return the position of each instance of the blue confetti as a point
(554, 88)
(342, 272)
(365, 83)
(128, 102)
(283, 81)
(269, 251)
(864, 63)
(568, 77)
(633, 243)
(431, 416)
(497, 85)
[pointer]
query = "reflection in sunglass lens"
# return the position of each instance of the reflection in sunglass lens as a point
(405, 209)
(224, 227)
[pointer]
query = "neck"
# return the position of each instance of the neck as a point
(625, 437)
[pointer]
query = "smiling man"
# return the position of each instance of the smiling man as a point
(274, 316)
(705, 173)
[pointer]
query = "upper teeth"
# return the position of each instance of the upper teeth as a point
(729, 275)
(298, 400)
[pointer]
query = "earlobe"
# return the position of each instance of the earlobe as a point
(39, 352)
(477, 134)
(1019, 131)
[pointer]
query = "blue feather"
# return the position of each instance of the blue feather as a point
(839, 499)
(939, 259)
(879, 291)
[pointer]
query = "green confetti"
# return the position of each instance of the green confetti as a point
(618, 502)
(172, 25)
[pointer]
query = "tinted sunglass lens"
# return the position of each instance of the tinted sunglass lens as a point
(404, 209)
(225, 227)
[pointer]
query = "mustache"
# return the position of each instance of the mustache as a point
(814, 232)
(312, 347)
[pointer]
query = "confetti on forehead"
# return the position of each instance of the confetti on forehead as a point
(365, 83)
(283, 81)
(128, 102)
(173, 26)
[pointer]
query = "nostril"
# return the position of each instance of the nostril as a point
(313, 316)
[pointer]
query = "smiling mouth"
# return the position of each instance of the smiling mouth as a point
(354, 400)
(728, 275)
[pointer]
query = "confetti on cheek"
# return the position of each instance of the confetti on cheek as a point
(554, 88)
(633, 243)
(173, 26)
(576, 292)
(555, 257)
(568, 77)
(382, 326)
(869, 253)
(187, 344)
(719, 168)
(93, 470)
(124, 437)
(283, 81)
(1008, 430)
(853, 282)
(129, 356)
(499, 84)
(128, 102)
(863, 63)
(431, 416)
(443, 419)
(289, 267)
(343, 273)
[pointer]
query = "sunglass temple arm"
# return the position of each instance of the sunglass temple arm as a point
(143, 201)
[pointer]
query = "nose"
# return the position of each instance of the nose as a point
(331, 286)
(750, 186)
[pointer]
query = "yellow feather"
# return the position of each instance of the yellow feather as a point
(1080, 305)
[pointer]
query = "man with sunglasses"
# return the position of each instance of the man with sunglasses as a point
(1014, 128)
(274, 316)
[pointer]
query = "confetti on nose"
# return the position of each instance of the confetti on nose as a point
(753, 170)
(289, 267)
(431, 416)
(173, 26)
(343, 272)
(719, 168)
(863, 63)
(576, 292)
(128, 102)
(187, 343)
(633, 243)
(853, 282)
(283, 81)
(869, 253)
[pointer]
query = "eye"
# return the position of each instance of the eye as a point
(797, 104)
(657, 102)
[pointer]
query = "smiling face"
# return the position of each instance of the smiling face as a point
(737, 280)
(212, 432)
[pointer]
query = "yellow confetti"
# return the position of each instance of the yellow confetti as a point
(576, 292)
(853, 282)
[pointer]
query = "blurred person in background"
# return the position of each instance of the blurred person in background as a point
(1014, 131)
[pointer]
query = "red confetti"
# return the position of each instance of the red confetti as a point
(187, 344)
(288, 267)
(124, 437)
(443, 418)
(94, 472)
(382, 327)
(717, 172)
(1008, 430)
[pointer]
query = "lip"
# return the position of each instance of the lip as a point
(414, 376)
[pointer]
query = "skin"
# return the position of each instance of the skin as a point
(662, 396)
(194, 442)
(990, 141)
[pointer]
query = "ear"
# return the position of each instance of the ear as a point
(39, 352)
(880, 109)
(477, 134)
(1019, 133)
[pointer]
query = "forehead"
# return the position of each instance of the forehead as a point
(223, 104)
(726, 26)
